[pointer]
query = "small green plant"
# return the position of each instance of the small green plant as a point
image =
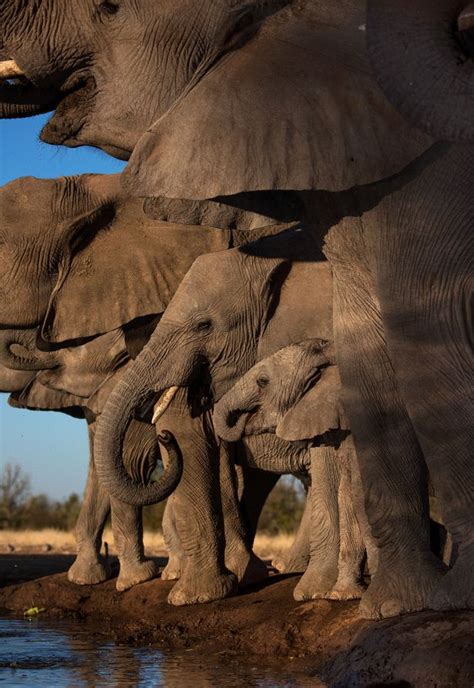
(32, 612)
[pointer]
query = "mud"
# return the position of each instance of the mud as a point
(328, 640)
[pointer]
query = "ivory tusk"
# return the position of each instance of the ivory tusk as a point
(163, 403)
(10, 70)
(466, 18)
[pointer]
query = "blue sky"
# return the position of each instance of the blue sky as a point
(51, 447)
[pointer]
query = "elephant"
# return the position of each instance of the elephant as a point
(63, 258)
(295, 394)
(180, 118)
(349, 146)
(77, 381)
(211, 333)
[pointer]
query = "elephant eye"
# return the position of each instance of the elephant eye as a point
(204, 326)
(262, 381)
(107, 7)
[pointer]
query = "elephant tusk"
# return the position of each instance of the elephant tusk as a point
(163, 403)
(10, 70)
(466, 18)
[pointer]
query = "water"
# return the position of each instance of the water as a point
(66, 653)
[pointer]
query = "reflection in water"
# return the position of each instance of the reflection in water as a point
(39, 653)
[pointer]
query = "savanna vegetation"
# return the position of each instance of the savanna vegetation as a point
(20, 509)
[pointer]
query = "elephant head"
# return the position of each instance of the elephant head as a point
(78, 258)
(294, 393)
(78, 381)
(194, 88)
(207, 338)
(422, 52)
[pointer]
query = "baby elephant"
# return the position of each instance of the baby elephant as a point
(295, 395)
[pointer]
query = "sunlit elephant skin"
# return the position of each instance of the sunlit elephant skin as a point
(212, 332)
(197, 83)
(76, 263)
(76, 240)
(14, 380)
(295, 394)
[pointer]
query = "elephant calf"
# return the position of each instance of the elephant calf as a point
(288, 406)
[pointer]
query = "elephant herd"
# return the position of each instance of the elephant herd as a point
(278, 283)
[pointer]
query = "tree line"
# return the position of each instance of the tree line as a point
(22, 510)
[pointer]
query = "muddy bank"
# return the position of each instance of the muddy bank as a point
(327, 638)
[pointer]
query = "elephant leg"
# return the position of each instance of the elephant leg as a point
(197, 509)
(127, 527)
(321, 575)
(239, 557)
(174, 567)
(429, 340)
(257, 485)
(368, 540)
(351, 548)
(89, 566)
(391, 464)
(296, 559)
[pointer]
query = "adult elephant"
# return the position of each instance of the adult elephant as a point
(326, 140)
(204, 77)
(212, 332)
(80, 258)
(424, 279)
(77, 381)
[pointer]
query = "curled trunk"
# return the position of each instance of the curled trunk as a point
(18, 351)
(130, 394)
(232, 412)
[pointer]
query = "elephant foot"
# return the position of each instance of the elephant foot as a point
(291, 564)
(136, 573)
(201, 588)
(88, 571)
(316, 583)
(456, 589)
(248, 568)
(346, 590)
(393, 591)
(173, 568)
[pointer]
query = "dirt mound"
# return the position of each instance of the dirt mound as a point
(329, 638)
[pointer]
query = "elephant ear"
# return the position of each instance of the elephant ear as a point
(422, 54)
(296, 107)
(317, 412)
(130, 269)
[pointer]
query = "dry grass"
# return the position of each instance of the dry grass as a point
(266, 546)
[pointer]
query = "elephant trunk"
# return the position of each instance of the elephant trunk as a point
(134, 389)
(232, 412)
(18, 351)
(422, 52)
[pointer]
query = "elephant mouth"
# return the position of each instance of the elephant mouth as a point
(22, 96)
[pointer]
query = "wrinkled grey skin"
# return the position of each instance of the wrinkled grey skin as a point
(370, 149)
(211, 333)
(77, 381)
(63, 257)
(197, 81)
(295, 394)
